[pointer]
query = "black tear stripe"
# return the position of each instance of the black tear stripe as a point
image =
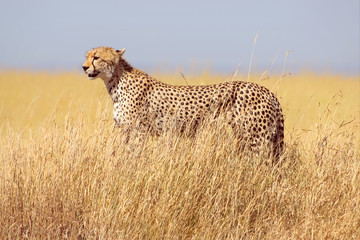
(92, 63)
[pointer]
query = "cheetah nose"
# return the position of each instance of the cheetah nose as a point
(85, 68)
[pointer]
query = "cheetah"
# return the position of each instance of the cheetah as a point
(138, 99)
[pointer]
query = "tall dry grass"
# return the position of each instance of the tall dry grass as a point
(65, 173)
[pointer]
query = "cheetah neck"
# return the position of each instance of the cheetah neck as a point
(116, 74)
(122, 76)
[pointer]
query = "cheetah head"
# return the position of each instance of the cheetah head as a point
(101, 62)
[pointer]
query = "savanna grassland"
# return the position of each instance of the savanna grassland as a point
(66, 173)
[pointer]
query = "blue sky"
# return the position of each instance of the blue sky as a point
(321, 35)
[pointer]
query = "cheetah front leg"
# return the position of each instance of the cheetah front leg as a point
(122, 129)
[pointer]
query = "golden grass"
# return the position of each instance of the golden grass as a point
(65, 174)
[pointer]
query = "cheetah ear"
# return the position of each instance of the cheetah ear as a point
(121, 52)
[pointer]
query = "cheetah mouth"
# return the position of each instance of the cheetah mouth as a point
(93, 74)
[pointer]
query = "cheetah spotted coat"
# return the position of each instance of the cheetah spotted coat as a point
(252, 110)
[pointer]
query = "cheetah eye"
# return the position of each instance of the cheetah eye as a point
(96, 58)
